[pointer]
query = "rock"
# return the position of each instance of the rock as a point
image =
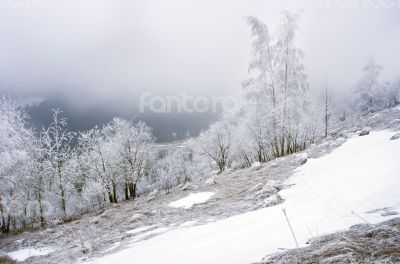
(395, 136)
(273, 200)
(135, 218)
(365, 131)
(395, 124)
(271, 188)
(301, 158)
(389, 213)
(99, 218)
(86, 247)
(255, 166)
(210, 181)
(188, 186)
(95, 221)
(152, 195)
(338, 142)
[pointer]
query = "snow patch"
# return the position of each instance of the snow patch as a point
(192, 199)
(255, 166)
(139, 230)
(25, 253)
(210, 181)
(189, 223)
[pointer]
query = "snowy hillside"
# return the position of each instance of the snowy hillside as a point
(201, 209)
(356, 183)
(237, 216)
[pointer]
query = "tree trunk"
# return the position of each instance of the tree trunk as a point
(126, 189)
(41, 210)
(110, 197)
(132, 190)
(114, 193)
(4, 224)
(63, 207)
(62, 192)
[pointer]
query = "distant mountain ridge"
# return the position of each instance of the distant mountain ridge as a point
(166, 127)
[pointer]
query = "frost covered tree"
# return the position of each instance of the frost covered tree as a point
(174, 169)
(41, 179)
(55, 174)
(244, 145)
(277, 89)
(327, 104)
(372, 94)
(133, 142)
(391, 93)
(16, 145)
(112, 160)
(216, 143)
(88, 180)
(369, 89)
(56, 142)
(104, 155)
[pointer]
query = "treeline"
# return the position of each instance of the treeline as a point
(373, 94)
(53, 175)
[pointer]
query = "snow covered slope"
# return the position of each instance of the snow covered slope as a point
(357, 182)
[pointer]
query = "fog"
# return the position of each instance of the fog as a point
(103, 55)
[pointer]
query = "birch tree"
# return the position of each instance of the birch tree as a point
(57, 144)
(216, 143)
(133, 141)
(277, 89)
(327, 101)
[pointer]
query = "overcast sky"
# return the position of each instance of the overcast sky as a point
(93, 52)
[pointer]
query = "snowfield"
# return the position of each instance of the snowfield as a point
(358, 182)
(192, 199)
